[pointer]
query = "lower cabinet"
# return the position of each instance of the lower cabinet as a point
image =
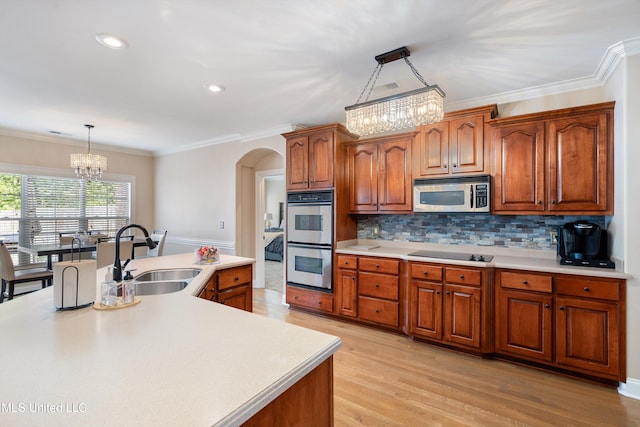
(450, 305)
(232, 287)
(310, 299)
(572, 323)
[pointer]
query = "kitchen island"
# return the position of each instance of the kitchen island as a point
(173, 359)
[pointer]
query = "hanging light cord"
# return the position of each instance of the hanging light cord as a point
(89, 137)
(376, 73)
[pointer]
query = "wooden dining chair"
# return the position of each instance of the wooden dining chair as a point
(106, 252)
(10, 276)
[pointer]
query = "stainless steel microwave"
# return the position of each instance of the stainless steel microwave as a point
(459, 194)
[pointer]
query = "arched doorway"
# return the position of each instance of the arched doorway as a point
(260, 190)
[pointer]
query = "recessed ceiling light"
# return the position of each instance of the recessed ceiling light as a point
(215, 88)
(111, 41)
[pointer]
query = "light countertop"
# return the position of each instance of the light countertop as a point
(508, 258)
(173, 359)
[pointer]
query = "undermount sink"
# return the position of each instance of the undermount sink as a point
(165, 281)
(173, 274)
(158, 288)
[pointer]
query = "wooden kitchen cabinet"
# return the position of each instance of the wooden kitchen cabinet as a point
(455, 145)
(556, 162)
(524, 315)
(572, 323)
(312, 155)
(589, 332)
(346, 289)
(231, 286)
(310, 299)
(451, 305)
(379, 175)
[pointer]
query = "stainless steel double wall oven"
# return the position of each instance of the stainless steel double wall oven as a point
(310, 239)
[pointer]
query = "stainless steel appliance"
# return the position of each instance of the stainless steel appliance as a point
(310, 239)
(460, 194)
(583, 243)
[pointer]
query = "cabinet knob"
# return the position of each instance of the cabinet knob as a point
(448, 292)
(555, 202)
(222, 302)
(346, 263)
(561, 308)
(524, 282)
(539, 202)
(377, 311)
(444, 166)
(454, 165)
(547, 306)
(437, 292)
(462, 276)
(586, 289)
(425, 272)
(377, 285)
(377, 265)
(296, 297)
(235, 279)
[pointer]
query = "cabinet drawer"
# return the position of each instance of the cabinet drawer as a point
(463, 276)
(347, 261)
(310, 299)
(377, 265)
(587, 287)
(231, 277)
(379, 311)
(426, 272)
(526, 281)
(378, 285)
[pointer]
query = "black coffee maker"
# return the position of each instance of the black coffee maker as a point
(583, 243)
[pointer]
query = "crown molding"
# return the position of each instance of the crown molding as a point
(57, 139)
(607, 66)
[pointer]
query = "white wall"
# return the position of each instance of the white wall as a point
(196, 190)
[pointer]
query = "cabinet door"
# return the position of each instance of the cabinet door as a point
(519, 167)
(321, 160)
(432, 149)
(298, 163)
(523, 324)
(587, 335)
(347, 292)
(466, 145)
(462, 315)
(363, 180)
(395, 187)
(426, 309)
(578, 153)
(239, 297)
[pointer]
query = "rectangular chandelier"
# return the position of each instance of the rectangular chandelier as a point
(405, 110)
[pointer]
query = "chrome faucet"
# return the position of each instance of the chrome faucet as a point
(117, 267)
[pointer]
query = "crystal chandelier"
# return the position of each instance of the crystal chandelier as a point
(409, 109)
(89, 166)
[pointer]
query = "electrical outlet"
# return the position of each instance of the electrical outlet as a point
(221, 225)
(554, 237)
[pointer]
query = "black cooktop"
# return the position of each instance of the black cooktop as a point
(453, 255)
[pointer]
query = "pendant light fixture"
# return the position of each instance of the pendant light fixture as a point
(86, 165)
(409, 109)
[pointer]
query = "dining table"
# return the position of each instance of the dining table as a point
(55, 249)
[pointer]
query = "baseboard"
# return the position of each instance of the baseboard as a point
(630, 389)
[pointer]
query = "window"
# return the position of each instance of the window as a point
(35, 209)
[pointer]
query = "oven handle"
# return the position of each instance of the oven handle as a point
(309, 246)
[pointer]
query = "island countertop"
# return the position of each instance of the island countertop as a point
(173, 359)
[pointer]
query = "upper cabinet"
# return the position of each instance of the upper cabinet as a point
(455, 145)
(311, 156)
(379, 175)
(557, 162)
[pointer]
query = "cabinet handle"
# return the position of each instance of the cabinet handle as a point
(235, 279)
(296, 297)
(524, 282)
(437, 292)
(222, 302)
(462, 276)
(377, 265)
(448, 292)
(539, 202)
(444, 166)
(377, 311)
(454, 165)
(586, 289)
(377, 285)
(555, 202)
(547, 306)
(346, 263)
(561, 308)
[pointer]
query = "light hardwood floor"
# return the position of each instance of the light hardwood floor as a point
(386, 379)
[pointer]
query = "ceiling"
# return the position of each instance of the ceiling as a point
(282, 62)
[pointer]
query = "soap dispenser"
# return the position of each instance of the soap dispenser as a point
(128, 288)
(109, 290)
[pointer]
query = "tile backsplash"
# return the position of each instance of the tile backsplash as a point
(507, 231)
